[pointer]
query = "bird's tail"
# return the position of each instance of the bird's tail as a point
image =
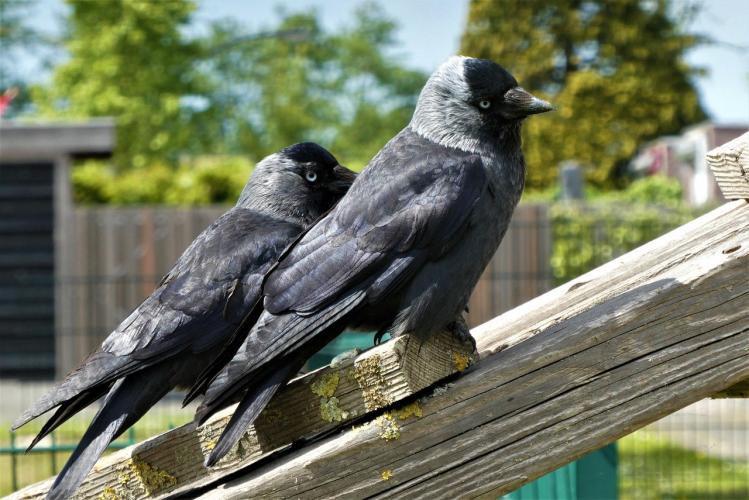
(128, 400)
(253, 402)
(67, 409)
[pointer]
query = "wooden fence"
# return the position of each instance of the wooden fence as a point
(112, 257)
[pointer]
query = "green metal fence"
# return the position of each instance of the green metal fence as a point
(50, 451)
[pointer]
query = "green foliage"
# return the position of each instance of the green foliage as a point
(204, 180)
(129, 59)
(340, 88)
(586, 235)
(16, 38)
(231, 91)
(654, 189)
(615, 71)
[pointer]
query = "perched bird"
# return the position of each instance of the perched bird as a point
(404, 248)
(196, 308)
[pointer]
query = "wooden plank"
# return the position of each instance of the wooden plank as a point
(740, 390)
(315, 403)
(589, 362)
(730, 165)
(64, 247)
(651, 332)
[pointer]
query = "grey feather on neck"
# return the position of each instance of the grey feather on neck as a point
(442, 113)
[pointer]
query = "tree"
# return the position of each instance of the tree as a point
(232, 91)
(615, 70)
(16, 38)
(129, 60)
(296, 82)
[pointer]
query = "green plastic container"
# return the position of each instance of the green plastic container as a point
(593, 477)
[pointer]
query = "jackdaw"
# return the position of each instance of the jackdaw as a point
(193, 313)
(404, 248)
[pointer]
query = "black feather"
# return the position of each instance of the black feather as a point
(256, 398)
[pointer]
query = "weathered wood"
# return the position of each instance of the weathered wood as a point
(314, 403)
(740, 390)
(589, 362)
(730, 165)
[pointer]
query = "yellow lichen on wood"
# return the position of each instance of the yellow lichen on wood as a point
(386, 474)
(326, 384)
(331, 411)
(368, 374)
(408, 411)
(108, 493)
(330, 407)
(152, 478)
(389, 429)
(461, 361)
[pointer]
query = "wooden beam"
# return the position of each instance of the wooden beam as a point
(312, 404)
(567, 372)
(730, 165)
(641, 337)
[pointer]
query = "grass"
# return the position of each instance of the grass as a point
(651, 468)
(33, 467)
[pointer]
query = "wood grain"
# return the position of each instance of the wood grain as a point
(730, 165)
(652, 332)
(315, 403)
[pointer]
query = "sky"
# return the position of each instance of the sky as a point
(429, 32)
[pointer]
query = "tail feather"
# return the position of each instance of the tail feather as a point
(249, 408)
(97, 373)
(67, 410)
(128, 400)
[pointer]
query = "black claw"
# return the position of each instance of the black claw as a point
(460, 331)
(378, 336)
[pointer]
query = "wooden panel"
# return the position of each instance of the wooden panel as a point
(520, 269)
(118, 255)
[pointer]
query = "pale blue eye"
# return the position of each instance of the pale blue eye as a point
(485, 104)
(311, 176)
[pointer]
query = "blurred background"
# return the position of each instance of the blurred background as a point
(127, 126)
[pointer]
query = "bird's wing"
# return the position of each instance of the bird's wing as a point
(375, 238)
(197, 306)
(381, 229)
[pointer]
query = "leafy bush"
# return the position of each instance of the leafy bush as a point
(586, 235)
(201, 181)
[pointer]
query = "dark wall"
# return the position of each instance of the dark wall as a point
(26, 270)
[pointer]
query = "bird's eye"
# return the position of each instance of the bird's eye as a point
(311, 176)
(485, 104)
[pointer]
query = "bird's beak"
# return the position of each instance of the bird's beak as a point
(343, 179)
(519, 102)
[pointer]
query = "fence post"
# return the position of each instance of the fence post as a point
(571, 180)
(13, 461)
(53, 455)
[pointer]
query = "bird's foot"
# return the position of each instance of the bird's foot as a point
(378, 336)
(459, 330)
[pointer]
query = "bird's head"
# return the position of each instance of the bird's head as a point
(469, 102)
(302, 181)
